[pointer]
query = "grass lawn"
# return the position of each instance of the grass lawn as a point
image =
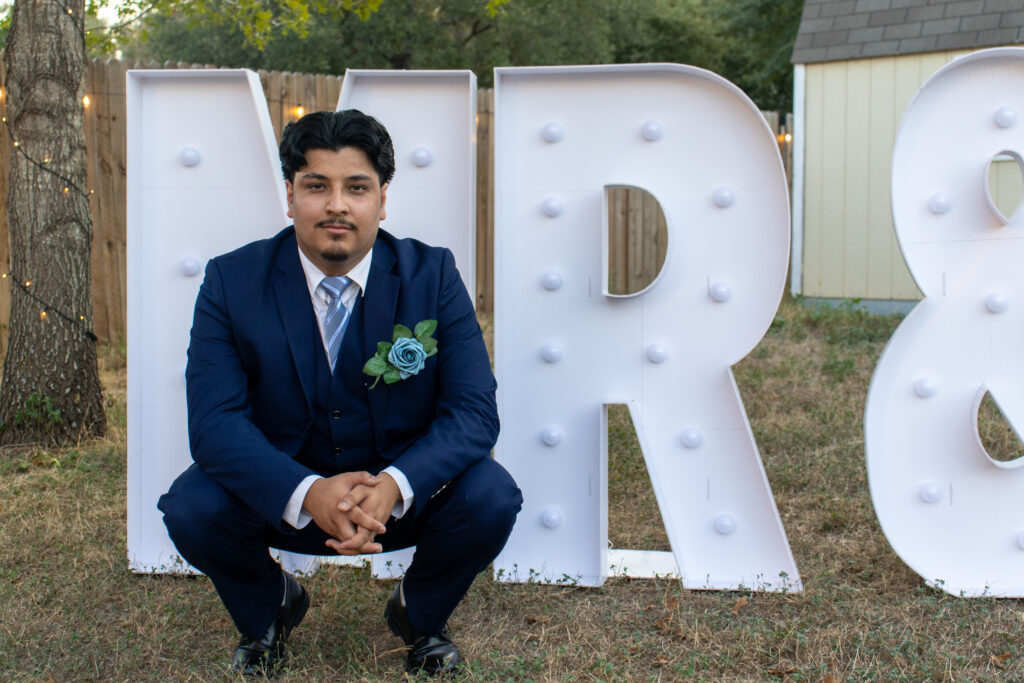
(71, 611)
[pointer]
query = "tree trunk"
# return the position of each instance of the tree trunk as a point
(50, 392)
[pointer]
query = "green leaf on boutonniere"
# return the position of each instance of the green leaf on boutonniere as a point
(391, 375)
(383, 348)
(429, 345)
(399, 332)
(424, 329)
(376, 366)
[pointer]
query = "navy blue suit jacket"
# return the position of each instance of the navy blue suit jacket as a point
(251, 371)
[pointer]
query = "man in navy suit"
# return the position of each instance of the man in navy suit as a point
(295, 447)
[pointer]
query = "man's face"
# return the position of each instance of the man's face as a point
(337, 203)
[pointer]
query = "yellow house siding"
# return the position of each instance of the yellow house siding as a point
(833, 179)
(857, 115)
(852, 112)
(1006, 186)
(881, 244)
(812, 263)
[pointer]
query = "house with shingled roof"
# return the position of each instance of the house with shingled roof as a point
(857, 64)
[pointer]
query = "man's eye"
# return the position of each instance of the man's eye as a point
(359, 188)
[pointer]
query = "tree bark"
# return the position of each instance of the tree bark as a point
(50, 392)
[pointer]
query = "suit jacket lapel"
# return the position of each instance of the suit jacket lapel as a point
(379, 307)
(296, 311)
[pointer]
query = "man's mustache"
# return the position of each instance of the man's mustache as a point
(335, 222)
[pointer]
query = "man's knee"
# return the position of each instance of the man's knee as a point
(488, 492)
(193, 506)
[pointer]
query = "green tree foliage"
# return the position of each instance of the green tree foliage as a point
(757, 48)
(747, 41)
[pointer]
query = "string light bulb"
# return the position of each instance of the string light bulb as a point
(300, 112)
(42, 315)
(86, 101)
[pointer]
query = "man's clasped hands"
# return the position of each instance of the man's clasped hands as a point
(352, 507)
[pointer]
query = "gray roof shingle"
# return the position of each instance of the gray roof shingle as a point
(832, 30)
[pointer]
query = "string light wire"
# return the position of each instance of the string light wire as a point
(46, 308)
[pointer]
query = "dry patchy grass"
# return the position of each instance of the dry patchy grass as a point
(70, 610)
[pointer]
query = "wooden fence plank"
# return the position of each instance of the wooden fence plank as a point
(102, 201)
(115, 231)
(485, 200)
(274, 102)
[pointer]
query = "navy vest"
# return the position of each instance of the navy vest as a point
(341, 438)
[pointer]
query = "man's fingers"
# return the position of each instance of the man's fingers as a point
(344, 527)
(361, 543)
(361, 537)
(365, 549)
(353, 498)
(364, 520)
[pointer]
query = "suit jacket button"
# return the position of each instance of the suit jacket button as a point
(336, 414)
(337, 450)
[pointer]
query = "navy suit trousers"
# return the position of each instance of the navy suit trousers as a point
(457, 533)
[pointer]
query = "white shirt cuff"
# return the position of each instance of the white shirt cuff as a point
(294, 514)
(402, 506)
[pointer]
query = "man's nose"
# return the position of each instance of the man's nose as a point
(336, 203)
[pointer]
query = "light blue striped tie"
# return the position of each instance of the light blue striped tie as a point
(337, 315)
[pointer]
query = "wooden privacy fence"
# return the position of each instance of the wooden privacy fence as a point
(632, 236)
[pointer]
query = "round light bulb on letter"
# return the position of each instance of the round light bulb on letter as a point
(651, 131)
(552, 280)
(190, 156)
(725, 524)
(996, 302)
(552, 518)
(930, 492)
(1006, 117)
(190, 266)
(552, 132)
(692, 438)
(657, 352)
(720, 292)
(551, 352)
(725, 197)
(552, 207)
(939, 203)
(422, 156)
(925, 387)
(552, 435)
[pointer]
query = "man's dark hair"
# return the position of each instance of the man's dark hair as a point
(333, 130)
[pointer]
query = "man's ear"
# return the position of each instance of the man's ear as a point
(383, 201)
(289, 191)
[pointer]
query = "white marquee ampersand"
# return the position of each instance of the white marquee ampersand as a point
(565, 348)
(952, 513)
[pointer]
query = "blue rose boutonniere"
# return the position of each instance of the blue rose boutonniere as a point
(405, 355)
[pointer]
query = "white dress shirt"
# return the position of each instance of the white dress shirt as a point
(294, 513)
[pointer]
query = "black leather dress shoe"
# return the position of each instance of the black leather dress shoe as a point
(436, 654)
(256, 656)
